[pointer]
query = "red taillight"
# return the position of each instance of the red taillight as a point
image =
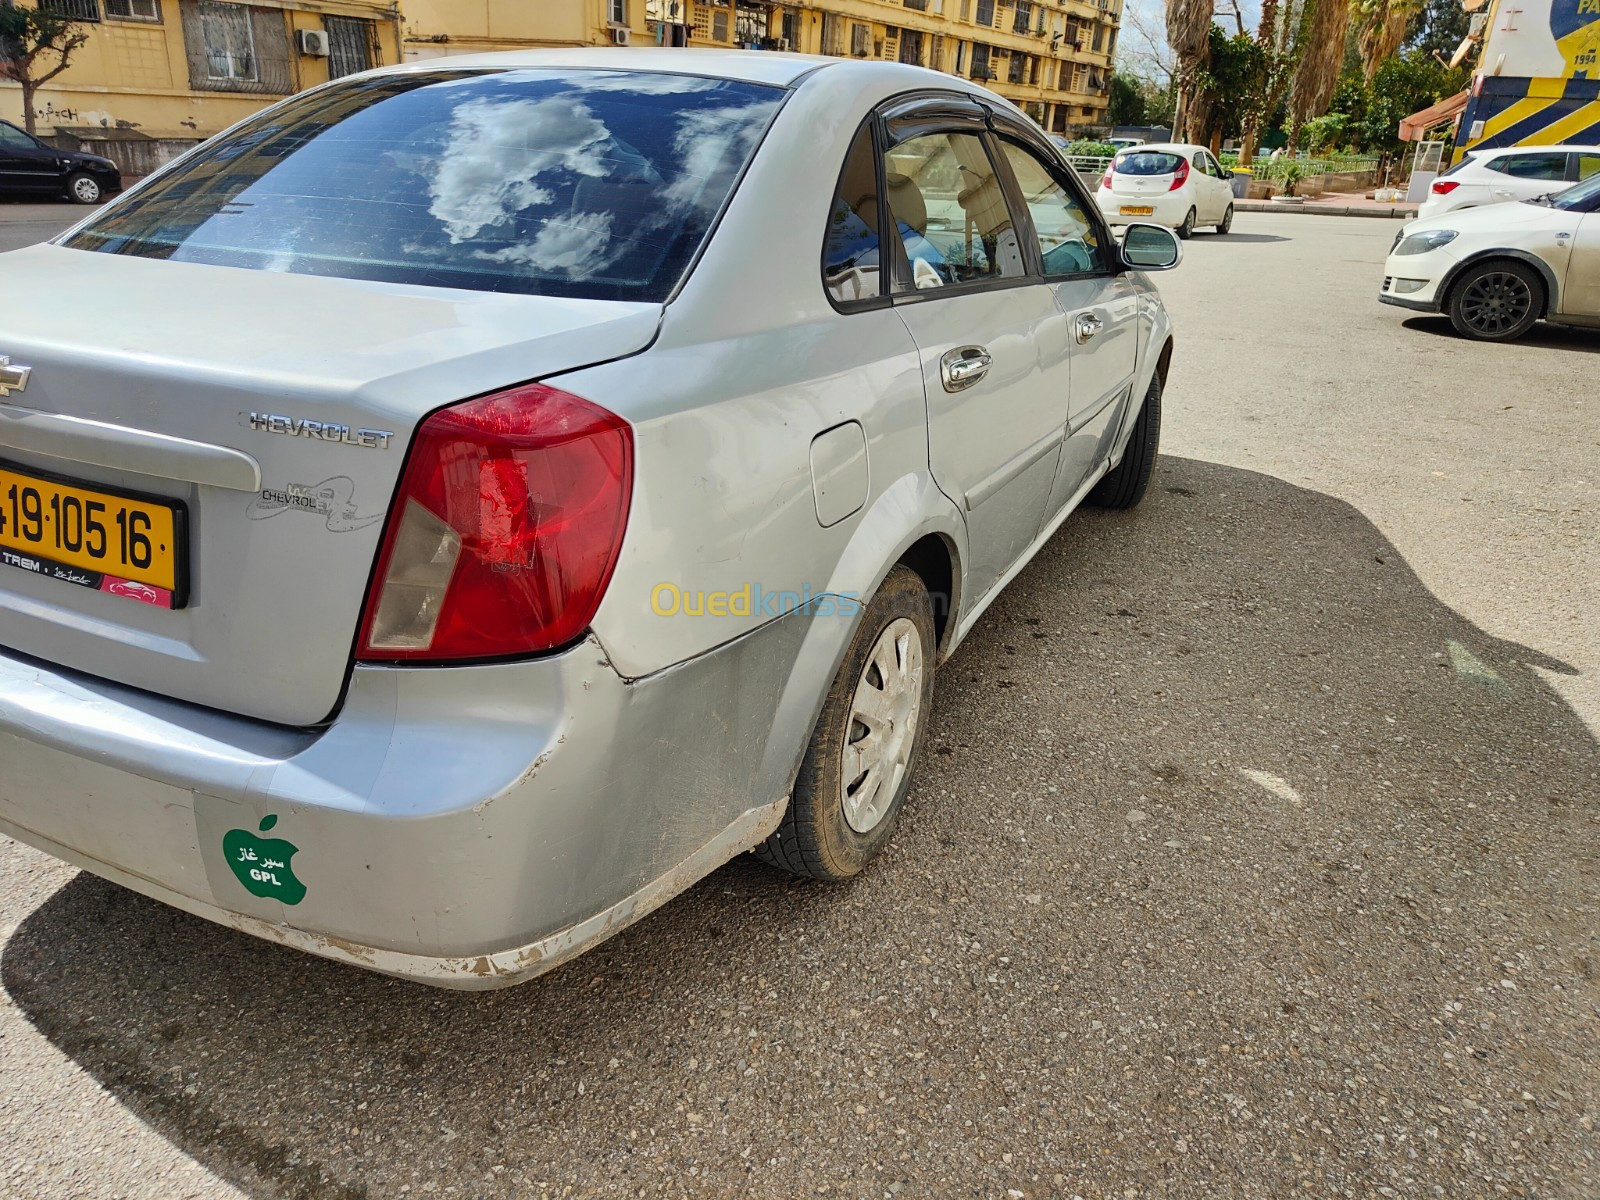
(505, 529)
(1443, 187)
(1180, 176)
(1106, 182)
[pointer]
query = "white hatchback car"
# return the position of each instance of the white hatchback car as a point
(1167, 183)
(1508, 173)
(1498, 269)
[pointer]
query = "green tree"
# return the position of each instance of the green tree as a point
(1235, 71)
(29, 39)
(1400, 86)
(1127, 101)
(1442, 27)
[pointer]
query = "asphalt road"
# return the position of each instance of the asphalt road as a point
(1255, 855)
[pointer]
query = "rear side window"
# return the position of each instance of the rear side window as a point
(950, 212)
(595, 184)
(1588, 164)
(1531, 166)
(1146, 162)
(851, 258)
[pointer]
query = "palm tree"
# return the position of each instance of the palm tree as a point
(1188, 33)
(1380, 27)
(1318, 73)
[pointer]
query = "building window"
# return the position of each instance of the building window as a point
(860, 40)
(980, 61)
(832, 34)
(134, 10)
(236, 48)
(961, 56)
(1073, 37)
(985, 12)
(78, 10)
(911, 47)
(229, 42)
(1099, 37)
(617, 12)
(350, 45)
(1018, 72)
(1023, 17)
(719, 27)
(919, 5)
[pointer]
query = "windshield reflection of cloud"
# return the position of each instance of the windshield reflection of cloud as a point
(505, 158)
(498, 148)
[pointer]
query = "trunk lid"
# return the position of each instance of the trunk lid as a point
(276, 409)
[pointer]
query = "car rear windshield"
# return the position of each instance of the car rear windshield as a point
(1147, 162)
(585, 183)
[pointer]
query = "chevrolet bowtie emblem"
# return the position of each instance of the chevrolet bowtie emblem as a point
(12, 379)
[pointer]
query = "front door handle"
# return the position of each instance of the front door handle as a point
(962, 367)
(1086, 326)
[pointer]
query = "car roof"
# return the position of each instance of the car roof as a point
(1172, 147)
(774, 68)
(1559, 148)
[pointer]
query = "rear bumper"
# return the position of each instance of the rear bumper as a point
(467, 827)
(1166, 209)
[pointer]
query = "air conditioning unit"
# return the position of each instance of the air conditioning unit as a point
(783, 43)
(311, 42)
(620, 36)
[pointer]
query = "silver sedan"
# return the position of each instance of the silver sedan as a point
(452, 511)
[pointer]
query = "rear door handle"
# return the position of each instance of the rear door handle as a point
(962, 367)
(1085, 326)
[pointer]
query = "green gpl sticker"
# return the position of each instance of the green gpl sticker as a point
(262, 864)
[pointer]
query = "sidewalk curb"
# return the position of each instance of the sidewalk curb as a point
(1395, 213)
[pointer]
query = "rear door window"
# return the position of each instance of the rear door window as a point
(1146, 162)
(947, 205)
(1531, 166)
(851, 258)
(588, 183)
(1584, 164)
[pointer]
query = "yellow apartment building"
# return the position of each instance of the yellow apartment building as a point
(156, 76)
(1051, 57)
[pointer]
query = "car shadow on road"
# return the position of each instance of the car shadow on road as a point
(1239, 864)
(1234, 235)
(1551, 337)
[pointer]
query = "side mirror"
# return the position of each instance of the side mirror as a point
(1151, 248)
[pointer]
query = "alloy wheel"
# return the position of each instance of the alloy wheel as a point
(883, 725)
(1495, 302)
(85, 190)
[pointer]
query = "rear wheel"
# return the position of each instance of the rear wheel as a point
(84, 189)
(1186, 230)
(1227, 221)
(1496, 301)
(858, 767)
(1124, 485)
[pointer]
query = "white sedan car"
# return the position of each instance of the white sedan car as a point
(1174, 184)
(456, 509)
(1498, 269)
(1509, 173)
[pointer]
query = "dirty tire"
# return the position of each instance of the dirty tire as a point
(84, 189)
(1186, 230)
(816, 839)
(1496, 301)
(1227, 221)
(1125, 484)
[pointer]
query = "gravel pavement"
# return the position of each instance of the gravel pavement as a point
(1255, 855)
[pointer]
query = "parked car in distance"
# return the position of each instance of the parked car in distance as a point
(1174, 184)
(28, 167)
(1509, 173)
(1122, 143)
(1498, 269)
(468, 502)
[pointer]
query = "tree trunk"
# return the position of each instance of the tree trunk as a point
(1247, 142)
(28, 121)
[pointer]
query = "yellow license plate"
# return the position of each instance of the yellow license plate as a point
(1136, 210)
(127, 545)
